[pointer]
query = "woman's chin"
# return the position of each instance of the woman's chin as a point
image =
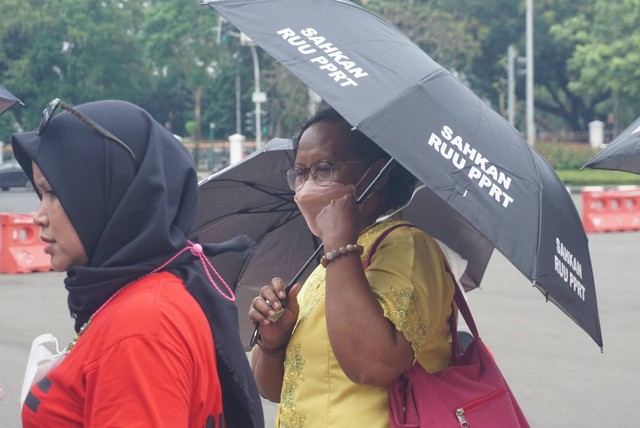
(58, 265)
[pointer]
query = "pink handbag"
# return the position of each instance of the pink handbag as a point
(471, 393)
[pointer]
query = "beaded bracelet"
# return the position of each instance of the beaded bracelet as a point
(334, 254)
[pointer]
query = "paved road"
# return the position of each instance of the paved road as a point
(556, 371)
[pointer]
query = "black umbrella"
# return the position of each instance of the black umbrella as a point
(7, 99)
(622, 154)
(253, 198)
(438, 129)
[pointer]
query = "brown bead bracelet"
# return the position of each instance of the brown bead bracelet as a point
(334, 254)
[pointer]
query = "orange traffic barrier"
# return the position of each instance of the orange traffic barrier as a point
(613, 210)
(21, 249)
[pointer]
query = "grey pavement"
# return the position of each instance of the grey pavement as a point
(556, 371)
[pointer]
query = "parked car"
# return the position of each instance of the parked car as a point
(12, 175)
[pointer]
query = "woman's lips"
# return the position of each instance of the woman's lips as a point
(49, 246)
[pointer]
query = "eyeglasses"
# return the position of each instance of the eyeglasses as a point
(47, 115)
(321, 173)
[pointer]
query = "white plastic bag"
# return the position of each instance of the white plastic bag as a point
(41, 361)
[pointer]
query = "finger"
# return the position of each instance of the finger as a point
(349, 197)
(266, 302)
(279, 288)
(255, 315)
(269, 296)
(292, 298)
(265, 307)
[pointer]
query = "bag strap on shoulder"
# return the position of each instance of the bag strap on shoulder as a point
(463, 307)
(380, 238)
(458, 298)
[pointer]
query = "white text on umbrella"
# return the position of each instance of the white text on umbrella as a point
(486, 175)
(569, 268)
(334, 62)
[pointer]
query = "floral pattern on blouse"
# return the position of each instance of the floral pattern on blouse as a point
(401, 309)
(289, 416)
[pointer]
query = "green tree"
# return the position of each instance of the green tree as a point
(444, 38)
(287, 96)
(76, 50)
(493, 25)
(180, 38)
(288, 99)
(605, 60)
(219, 100)
(557, 106)
(500, 23)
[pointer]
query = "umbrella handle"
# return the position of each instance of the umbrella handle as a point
(256, 335)
(363, 196)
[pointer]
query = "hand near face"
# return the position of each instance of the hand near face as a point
(340, 223)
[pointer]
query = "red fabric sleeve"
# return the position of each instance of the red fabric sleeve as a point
(140, 381)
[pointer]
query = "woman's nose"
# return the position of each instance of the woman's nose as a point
(39, 218)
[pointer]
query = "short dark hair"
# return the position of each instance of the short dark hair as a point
(401, 182)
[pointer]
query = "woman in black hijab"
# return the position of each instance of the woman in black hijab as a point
(128, 189)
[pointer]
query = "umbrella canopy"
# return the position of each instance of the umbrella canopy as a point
(439, 130)
(622, 154)
(7, 99)
(253, 198)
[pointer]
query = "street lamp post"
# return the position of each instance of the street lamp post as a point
(511, 84)
(257, 97)
(531, 125)
(212, 128)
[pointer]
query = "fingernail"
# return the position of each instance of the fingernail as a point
(281, 294)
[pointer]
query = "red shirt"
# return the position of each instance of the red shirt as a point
(146, 360)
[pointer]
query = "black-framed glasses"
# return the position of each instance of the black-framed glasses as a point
(48, 112)
(321, 173)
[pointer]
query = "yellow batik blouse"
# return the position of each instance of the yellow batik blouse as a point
(407, 275)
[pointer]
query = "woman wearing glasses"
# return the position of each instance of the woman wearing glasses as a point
(157, 343)
(380, 300)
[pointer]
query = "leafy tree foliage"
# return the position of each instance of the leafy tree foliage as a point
(164, 55)
(605, 61)
(557, 106)
(75, 50)
(288, 100)
(180, 39)
(437, 31)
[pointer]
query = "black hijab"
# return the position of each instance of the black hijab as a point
(131, 217)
